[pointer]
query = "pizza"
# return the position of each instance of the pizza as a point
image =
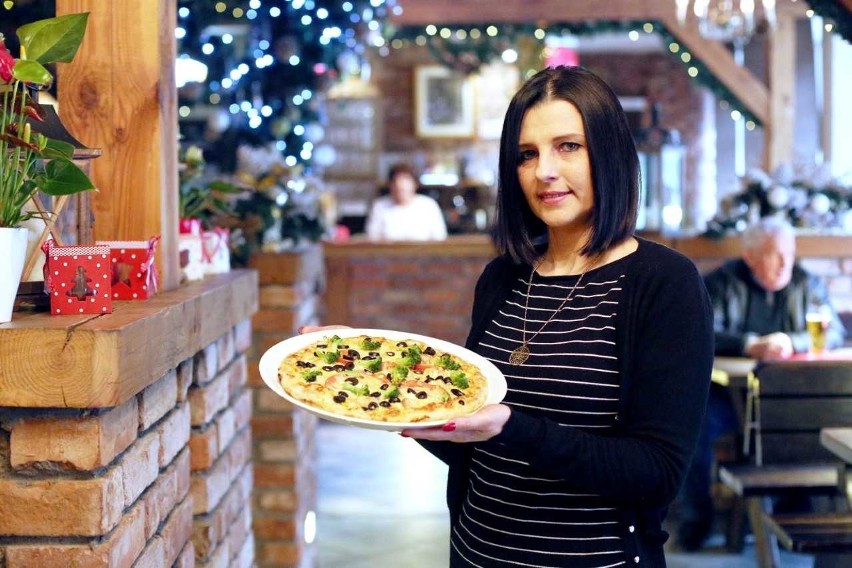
(387, 380)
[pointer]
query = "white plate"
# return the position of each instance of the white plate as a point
(274, 355)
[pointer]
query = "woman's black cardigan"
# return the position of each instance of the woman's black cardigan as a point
(665, 343)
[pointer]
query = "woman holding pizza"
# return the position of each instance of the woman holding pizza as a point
(605, 340)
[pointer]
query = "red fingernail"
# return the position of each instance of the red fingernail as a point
(404, 435)
(301, 328)
(448, 427)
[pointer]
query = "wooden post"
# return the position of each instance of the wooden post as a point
(778, 147)
(119, 95)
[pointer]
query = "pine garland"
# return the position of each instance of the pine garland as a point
(465, 53)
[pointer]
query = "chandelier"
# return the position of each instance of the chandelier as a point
(729, 21)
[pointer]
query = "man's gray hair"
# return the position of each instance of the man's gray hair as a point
(774, 227)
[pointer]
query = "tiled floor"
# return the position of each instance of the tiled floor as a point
(381, 505)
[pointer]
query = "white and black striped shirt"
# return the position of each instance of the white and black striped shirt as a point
(514, 515)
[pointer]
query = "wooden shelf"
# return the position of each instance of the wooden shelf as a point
(807, 246)
(454, 246)
(95, 361)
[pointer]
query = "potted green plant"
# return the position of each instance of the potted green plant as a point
(30, 161)
(198, 198)
(205, 207)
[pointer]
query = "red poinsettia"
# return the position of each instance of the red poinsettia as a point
(6, 62)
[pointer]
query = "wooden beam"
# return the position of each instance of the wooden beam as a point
(119, 95)
(422, 12)
(747, 88)
(778, 141)
(794, 8)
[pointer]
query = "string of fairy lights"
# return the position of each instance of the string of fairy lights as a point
(264, 62)
(259, 64)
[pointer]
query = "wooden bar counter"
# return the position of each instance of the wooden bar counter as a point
(428, 287)
(125, 438)
(419, 287)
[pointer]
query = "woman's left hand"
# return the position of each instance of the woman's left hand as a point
(482, 425)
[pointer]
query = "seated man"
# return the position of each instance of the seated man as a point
(405, 215)
(759, 304)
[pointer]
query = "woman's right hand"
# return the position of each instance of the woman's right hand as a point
(310, 328)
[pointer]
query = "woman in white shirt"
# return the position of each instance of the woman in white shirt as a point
(405, 215)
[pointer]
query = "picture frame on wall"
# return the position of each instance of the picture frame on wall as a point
(444, 103)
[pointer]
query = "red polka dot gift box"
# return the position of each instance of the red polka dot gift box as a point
(134, 272)
(78, 279)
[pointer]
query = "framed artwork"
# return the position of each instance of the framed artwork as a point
(443, 103)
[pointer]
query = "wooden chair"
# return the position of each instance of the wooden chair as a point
(788, 402)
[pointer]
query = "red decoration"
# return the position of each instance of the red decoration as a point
(560, 55)
(78, 279)
(134, 273)
(189, 226)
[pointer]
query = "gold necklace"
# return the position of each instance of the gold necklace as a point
(521, 353)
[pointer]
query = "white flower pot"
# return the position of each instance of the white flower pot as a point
(13, 244)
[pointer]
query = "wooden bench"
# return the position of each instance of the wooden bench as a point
(827, 536)
(748, 480)
(813, 533)
(788, 403)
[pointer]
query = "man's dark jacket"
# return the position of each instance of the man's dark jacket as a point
(731, 286)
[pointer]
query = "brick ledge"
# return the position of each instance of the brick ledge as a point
(101, 361)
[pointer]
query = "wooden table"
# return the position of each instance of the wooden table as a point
(838, 441)
(734, 371)
(840, 354)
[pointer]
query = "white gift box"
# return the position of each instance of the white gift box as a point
(215, 252)
(191, 256)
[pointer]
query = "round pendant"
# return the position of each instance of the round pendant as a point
(519, 355)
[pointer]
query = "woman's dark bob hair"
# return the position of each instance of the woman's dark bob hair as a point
(612, 154)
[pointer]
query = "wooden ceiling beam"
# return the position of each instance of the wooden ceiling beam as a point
(422, 12)
(747, 88)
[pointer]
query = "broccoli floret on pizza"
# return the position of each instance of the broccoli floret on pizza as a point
(445, 361)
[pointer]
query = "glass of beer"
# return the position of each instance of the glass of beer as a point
(818, 320)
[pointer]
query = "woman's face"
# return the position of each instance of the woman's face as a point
(403, 188)
(554, 168)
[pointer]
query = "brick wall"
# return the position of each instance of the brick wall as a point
(424, 288)
(220, 452)
(133, 484)
(283, 450)
(429, 295)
